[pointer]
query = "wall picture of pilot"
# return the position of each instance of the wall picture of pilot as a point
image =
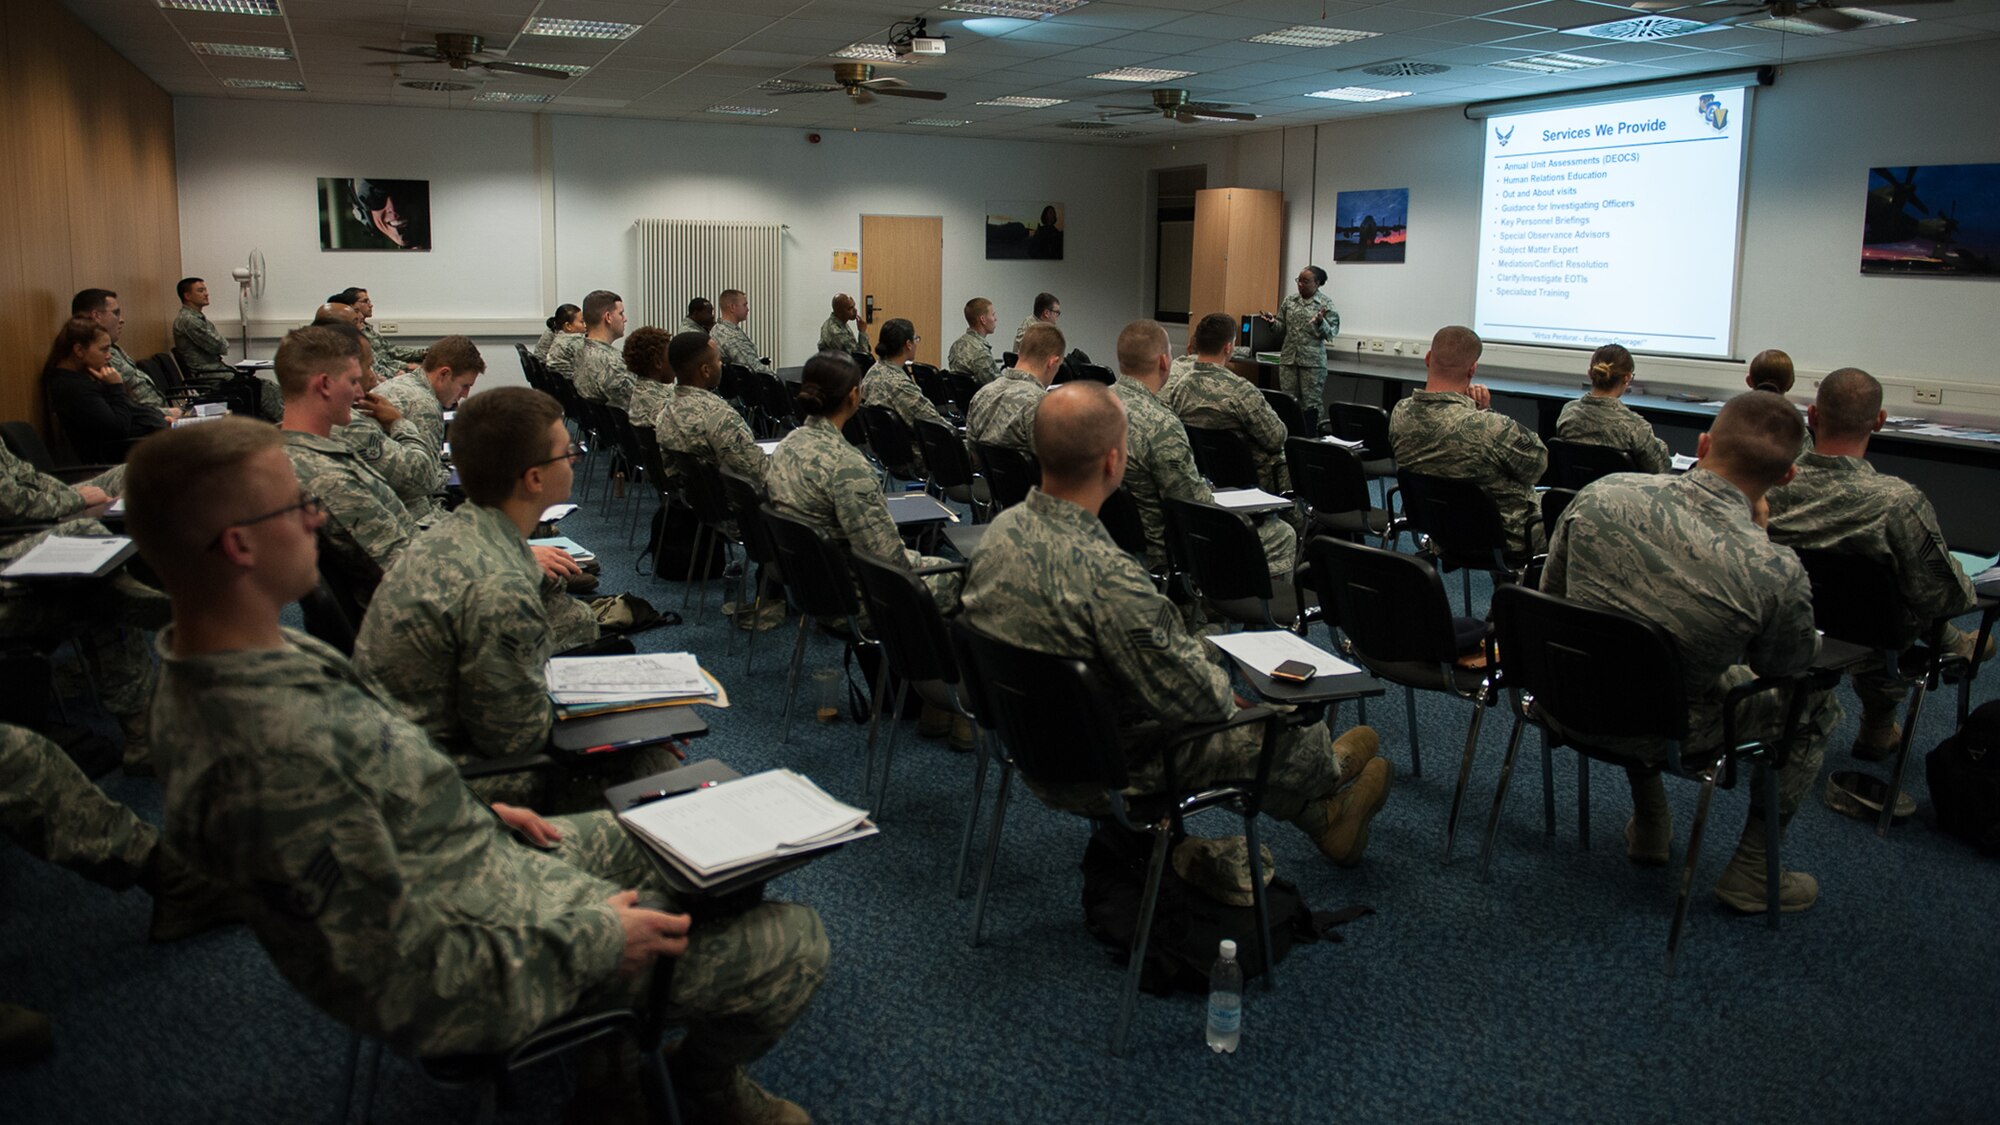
(364, 214)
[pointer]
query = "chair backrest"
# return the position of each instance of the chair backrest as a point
(1329, 477)
(1597, 673)
(1857, 600)
(733, 382)
(1573, 464)
(890, 439)
(863, 360)
(944, 454)
(25, 442)
(1009, 359)
(904, 619)
(1287, 409)
(325, 618)
(963, 387)
(817, 574)
(1355, 421)
(1462, 521)
(1054, 714)
(855, 430)
(1391, 606)
(1009, 472)
(657, 468)
(1217, 548)
(1090, 372)
(1120, 516)
(1555, 501)
(161, 368)
(931, 381)
(745, 497)
(1223, 457)
(778, 404)
(701, 486)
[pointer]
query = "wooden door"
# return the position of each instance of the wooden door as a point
(902, 268)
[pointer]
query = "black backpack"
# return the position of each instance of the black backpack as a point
(675, 558)
(1964, 775)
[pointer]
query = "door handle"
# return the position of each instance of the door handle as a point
(868, 308)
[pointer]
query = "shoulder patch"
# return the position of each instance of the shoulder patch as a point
(307, 898)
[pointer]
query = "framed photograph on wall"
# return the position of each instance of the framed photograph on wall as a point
(364, 214)
(1371, 226)
(1024, 229)
(1935, 220)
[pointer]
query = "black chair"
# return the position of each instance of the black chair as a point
(1058, 725)
(1557, 652)
(820, 584)
(894, 446)
(931, 381)
(963, 386)
(1090, 372)
(1369, 425)
(1223, 457)
(700, 485)
(1218, 554)
(328, 619)
(1555, 502)
(916, 653)
(1573, 464)
(775, 407)
(855, 430)
(1287, 409)
(25, 442)
(1009, 473)
(745, 497)
(950, 468)
(734, 382)
(1330, 479)
(1120, 516)
(1463, 527)
(1397, 624)
(1008, 359)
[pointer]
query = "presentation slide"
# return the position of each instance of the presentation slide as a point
(1614, 223)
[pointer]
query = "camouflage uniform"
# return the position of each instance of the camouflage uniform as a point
(887, 384)
(395, 355)
(403, 458)
(1602, 420)
(366, 527)
(1302, 357)
(647, 400)
(601, 374)
(1218, 398)
(736, 346)
(1444, 434)
(199, 349)
(53, 811)
(816, 476)
(688, 325)
(542, 342)
(138, 384)
(394, 900)
(411, 393)
(837, 335)
(562, 354)
(1047, 576)
(1843, 504)
(1684, 553)
(1030, 322)
(971, 355)
(1159, 464)
(1003, 411)
(698, 423)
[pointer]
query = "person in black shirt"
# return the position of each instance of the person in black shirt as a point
(88, 395)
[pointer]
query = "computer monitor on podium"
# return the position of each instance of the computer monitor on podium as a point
(1260, 335)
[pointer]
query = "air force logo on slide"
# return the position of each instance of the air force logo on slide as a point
(1503, 138)
(1713, 111)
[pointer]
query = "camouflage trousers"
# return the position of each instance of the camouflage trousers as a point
(1883, 694)
(561, 791)
(1281, 547)
(744, 980)
(1303, 769)
(51, 809)
(1763, 716)
(1306, 384)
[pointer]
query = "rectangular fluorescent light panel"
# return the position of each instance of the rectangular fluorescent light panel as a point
(1014, 9)
(790, 86)
(1311, 35)
(740, 110)
(261, 84)
(938, 122)
(1797, 26)
(1550, 64)
(512, 96)
(1018, 102)
(225, 7)
(1643, 29)
(872, 52)
(566, 68)
(243, 51)
(580, 29)
(1359, 94)
(1142, 74)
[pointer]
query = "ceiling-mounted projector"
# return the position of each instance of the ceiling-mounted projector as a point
(921, 46)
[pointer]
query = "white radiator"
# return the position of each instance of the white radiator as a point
(681, 259)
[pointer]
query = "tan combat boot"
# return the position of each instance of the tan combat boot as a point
(1354, 750)
(1349, 811)
(1742, 883)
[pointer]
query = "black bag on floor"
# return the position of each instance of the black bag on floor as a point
(671, 553)
(1964, 776)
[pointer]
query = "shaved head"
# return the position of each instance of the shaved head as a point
(1454, 350)
(1757, 435)
(1139, 347)
(1849, 404)
(1076, 425)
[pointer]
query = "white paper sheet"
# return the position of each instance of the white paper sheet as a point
(1682, 462)
(67, 554)
(769, 447)
(744, 820)
(640, 676)
(554, 512)
(1267, 648)
(1248, 498)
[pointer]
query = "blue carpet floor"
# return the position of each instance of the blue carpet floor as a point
(1536, 996)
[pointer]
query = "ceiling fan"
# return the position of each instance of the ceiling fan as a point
(1174, 105)
(460, 51)
(1825, 13)
(859, 80)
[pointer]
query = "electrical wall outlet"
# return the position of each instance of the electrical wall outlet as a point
(1377, 346)
(1929, 396)
(389, 328)
(1396, 347)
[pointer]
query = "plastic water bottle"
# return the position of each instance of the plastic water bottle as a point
(1225, 1000)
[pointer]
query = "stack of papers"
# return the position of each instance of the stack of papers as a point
(1984, 570)
(70, 556)
(569, 546)
(1266, 649)
(1239, 498)
(195, 419)
(585, 685)
(1682, 462)
(714, 831)
(554, 512)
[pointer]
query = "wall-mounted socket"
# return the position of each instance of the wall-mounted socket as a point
(1928, 396)
(389, 329)
(1377, 346)
(1396, 347)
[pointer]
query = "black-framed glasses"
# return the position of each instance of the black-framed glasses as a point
(573, 454)
(307, 503)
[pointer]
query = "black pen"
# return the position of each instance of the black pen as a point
(649, 798)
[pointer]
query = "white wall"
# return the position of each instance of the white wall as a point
(1814, 135)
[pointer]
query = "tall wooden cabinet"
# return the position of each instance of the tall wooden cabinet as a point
(1238, 233)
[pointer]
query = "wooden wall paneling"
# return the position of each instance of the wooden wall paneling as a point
(1256, 225)
(39, 95)
(1207, 280)
(14, 402)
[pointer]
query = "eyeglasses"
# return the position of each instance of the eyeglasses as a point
(307, 503)
(573, 454)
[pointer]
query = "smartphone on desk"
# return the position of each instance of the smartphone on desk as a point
(1294, 672)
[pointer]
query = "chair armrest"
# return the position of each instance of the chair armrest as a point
(500, 767)
(1240, 719)
(15, 529)
(940, 568)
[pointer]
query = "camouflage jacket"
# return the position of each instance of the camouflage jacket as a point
(887, 384)
(199, 348)
(396, 355)
(1215, 397)
(379, 885)
(542, 342)
(412, 394)
(403, 458)
(1444, 434)
(562, 354)
(698, 423)
(647, 400)
(138, 385)
(688, 325)
(1843, 504)
(1305, 342)
(836, 335)
(971, 355)
(1601, 420)
(1030, 322)
(1003, 411)
(366, 527)
(736, 346)
(601, 375)
(27, 493)
(1683, 552)
(818, 477)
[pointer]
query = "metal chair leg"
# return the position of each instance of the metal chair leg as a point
(1774, 835)
(792, 684)
(1465, 576)
(992, 849)
(1416, 739)
(1548, 787)
(1136, 966)
(972, 813)
(889, 747)
(875, 724)
(1499, 797)
(1261, 898)
(1583, 802)
(1687, 869)
(1464, 772)
(694, 552)
(1896, 772)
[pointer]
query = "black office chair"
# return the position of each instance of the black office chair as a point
(1009, 473)
(1369, 425)
(894, 446)
(700, 484)
(734, 381)
(819, 582)
(963, 386)
(1058, 725)
(1574, 464)
(1217, 553)
(25, 442)
(931, 381)
(1397, 623)
(1330, 479)
(1287, 409)
(950, 467)
(916, 652)
(326, 618)
(1463, 528)
(1223, 457)
(1557, 654)
(1120, 516)
(745, 497)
